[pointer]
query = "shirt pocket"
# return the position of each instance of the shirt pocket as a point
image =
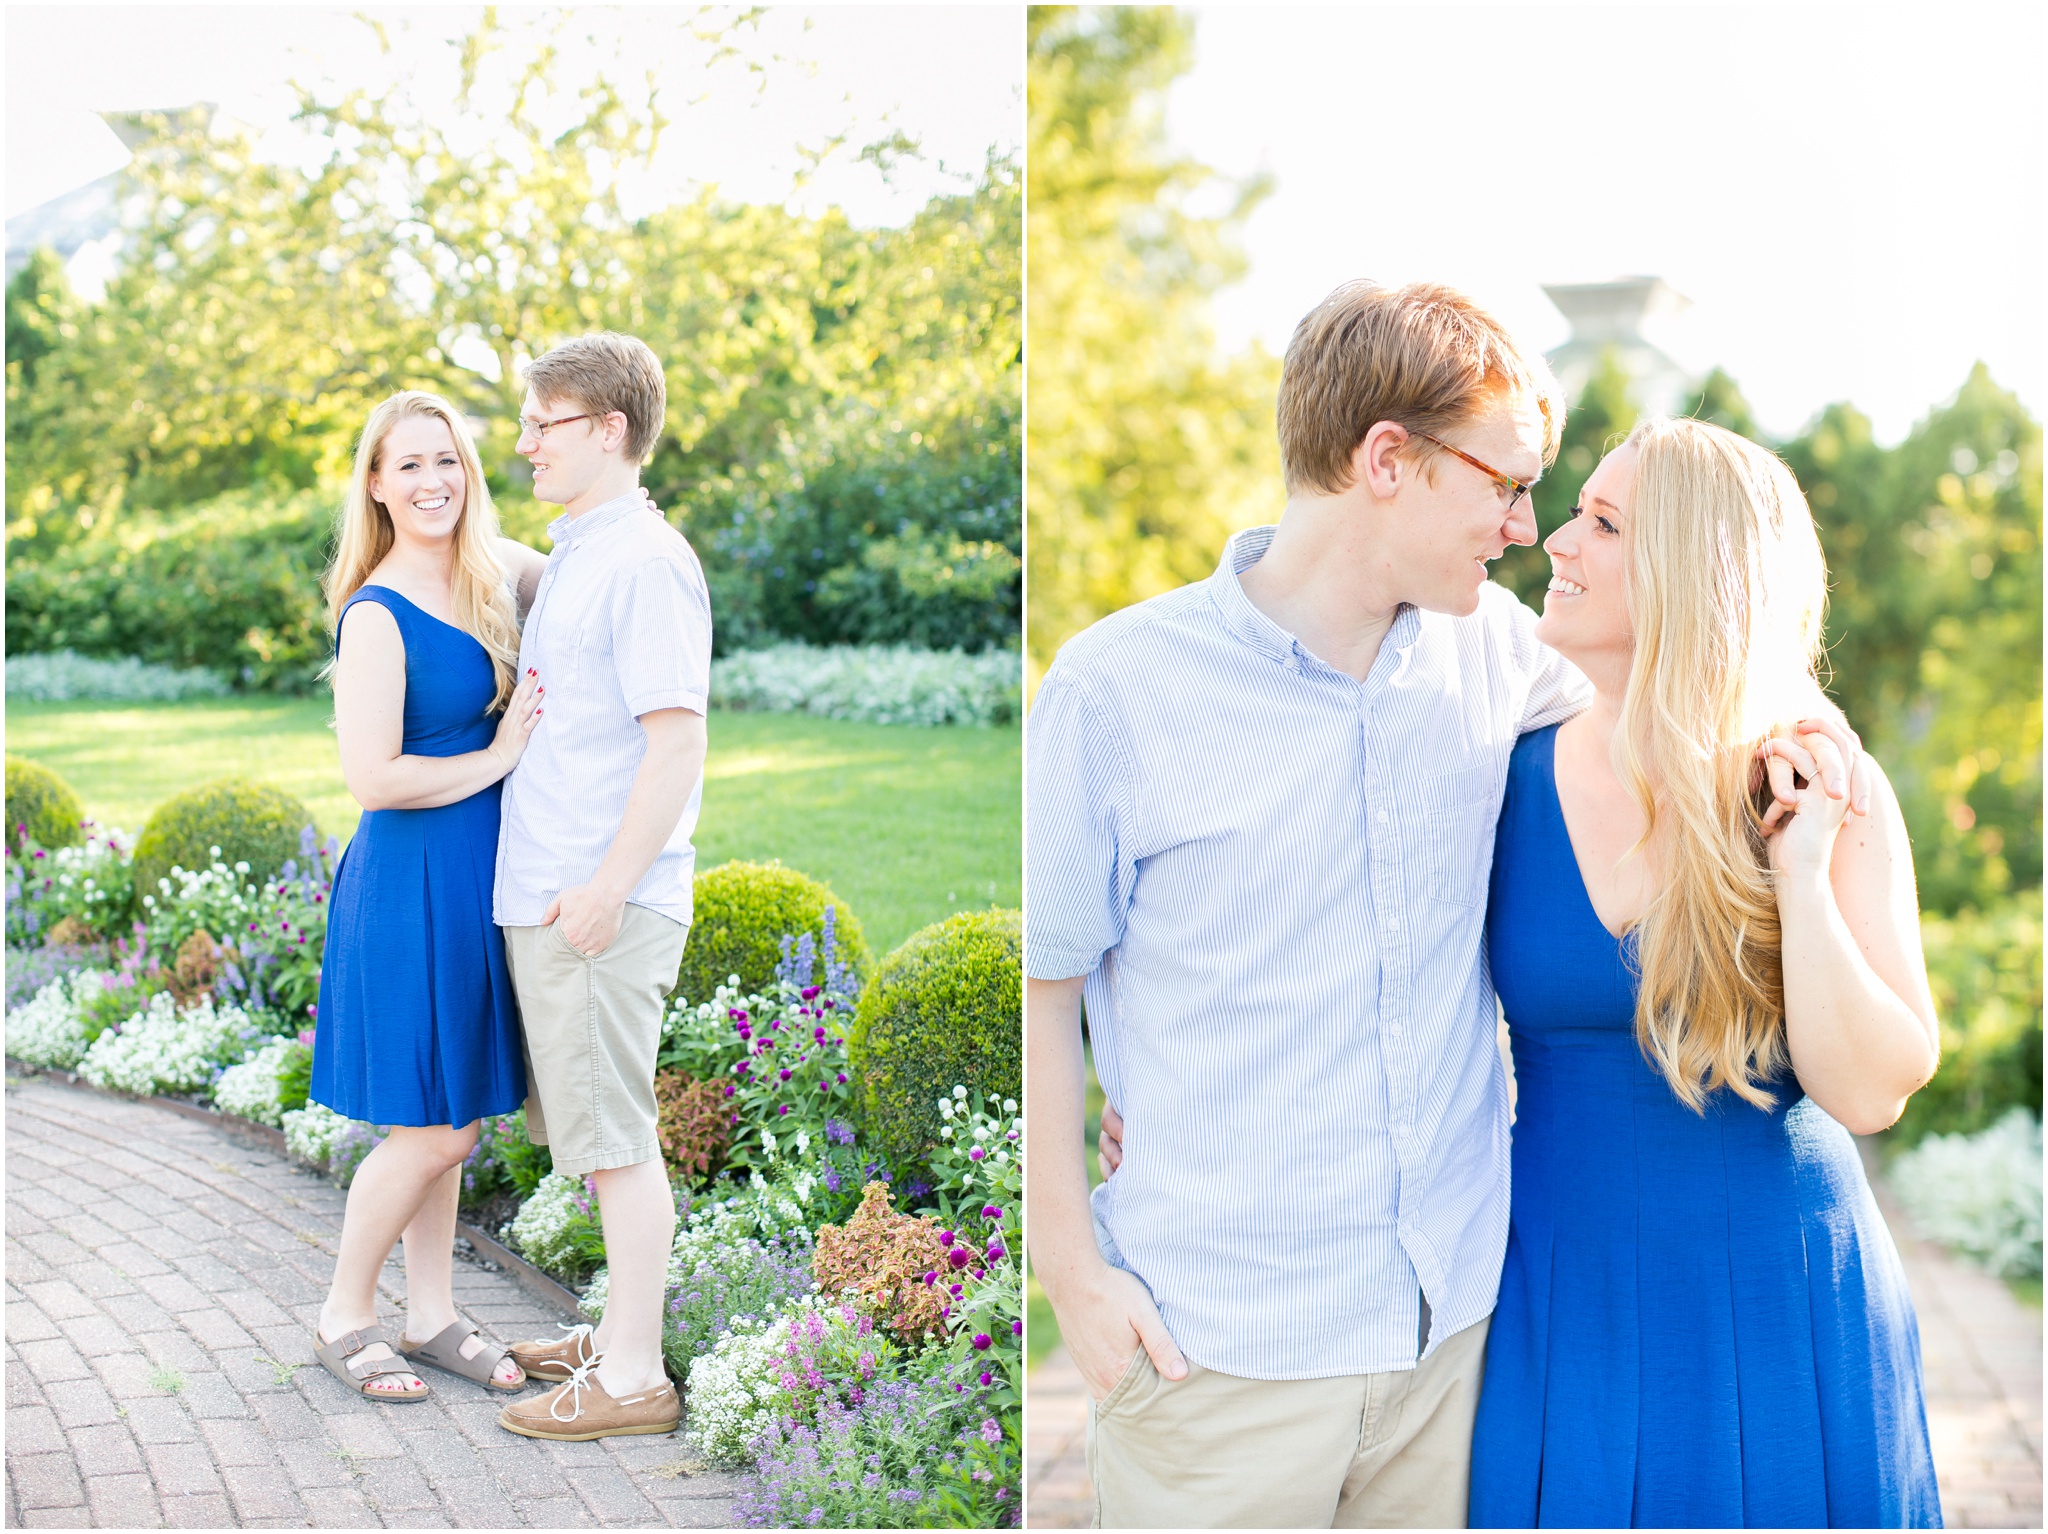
(1457, 828)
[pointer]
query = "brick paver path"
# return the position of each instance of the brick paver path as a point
(163, 1279)
(1980, 1347)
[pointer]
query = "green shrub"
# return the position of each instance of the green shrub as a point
(1985, 971)
(742, 911)
(232, 583)
(251, 823)
(40, 806)
(945, 1008)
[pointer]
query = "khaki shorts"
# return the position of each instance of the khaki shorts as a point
(592, 1027)
(1213, 1451)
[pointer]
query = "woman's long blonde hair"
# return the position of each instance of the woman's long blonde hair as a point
(482, 600)
(1726, 590)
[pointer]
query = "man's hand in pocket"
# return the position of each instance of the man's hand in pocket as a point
(1106, 1324)
(589, 919)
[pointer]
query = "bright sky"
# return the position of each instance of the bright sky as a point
(1852, 197)
(950, 77)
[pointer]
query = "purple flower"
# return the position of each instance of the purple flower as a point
(991, 1212)
(976, 1154)
(958, 1257)
(783, 1109)
(996, 1251)
(986, 1378)
(930, 1278)
(991, 1430)
(1017, 1328)
(946, 1238)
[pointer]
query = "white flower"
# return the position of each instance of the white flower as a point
(165, 1050)
(768, 1141)
(1980, 1193)
(250, 1090)
(733, 1390)
(542, 1230)
(960, 1093)
(1009, 1105)
(309, 1132)
(50, 1029)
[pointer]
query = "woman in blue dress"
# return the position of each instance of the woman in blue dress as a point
(416, 1026)
(1702, 1319)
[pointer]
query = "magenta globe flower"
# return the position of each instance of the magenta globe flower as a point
(983, 1342)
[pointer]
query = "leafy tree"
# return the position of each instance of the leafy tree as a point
(1147, 449)
(845, 405)
(1934, 625)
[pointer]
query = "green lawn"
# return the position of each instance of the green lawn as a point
(908, 825)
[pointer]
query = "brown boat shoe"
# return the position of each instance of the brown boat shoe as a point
(580, 1409)
(556, 1361)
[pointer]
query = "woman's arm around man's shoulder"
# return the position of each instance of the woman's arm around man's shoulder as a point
(524, 565)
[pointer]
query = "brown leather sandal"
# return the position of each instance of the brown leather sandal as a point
(358, 1375)
(445, 1352)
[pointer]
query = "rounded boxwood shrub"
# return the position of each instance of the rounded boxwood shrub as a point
(41, 806)
(741, 911)
(945, 1009)
(251, 823)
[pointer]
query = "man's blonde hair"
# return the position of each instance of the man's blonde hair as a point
(1423, 356)
(605, 371)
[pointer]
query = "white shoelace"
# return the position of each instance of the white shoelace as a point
(579, 1380)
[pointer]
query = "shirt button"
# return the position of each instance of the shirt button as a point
(1381, 817)
(1393, 924)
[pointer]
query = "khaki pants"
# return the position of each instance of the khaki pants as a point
(1360, 1451)
(592, 1028)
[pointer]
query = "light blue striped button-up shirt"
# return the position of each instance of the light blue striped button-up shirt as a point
(1274, 877)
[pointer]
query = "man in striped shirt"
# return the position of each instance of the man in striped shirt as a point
(1260, 821)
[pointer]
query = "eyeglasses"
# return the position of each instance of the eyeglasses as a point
(538, 430)
(1514, 487)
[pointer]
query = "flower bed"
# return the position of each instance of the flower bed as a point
(60, 676)
(881, 684)
(850, 1330)
(1979, 1194)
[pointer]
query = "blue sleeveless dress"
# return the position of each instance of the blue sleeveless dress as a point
(1702, 1320)
(416, 1022)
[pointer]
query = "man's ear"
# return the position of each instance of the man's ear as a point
(1377, 462)
(616, 427)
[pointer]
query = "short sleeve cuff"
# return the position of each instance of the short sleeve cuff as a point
(649, 702)
(1044, 963)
